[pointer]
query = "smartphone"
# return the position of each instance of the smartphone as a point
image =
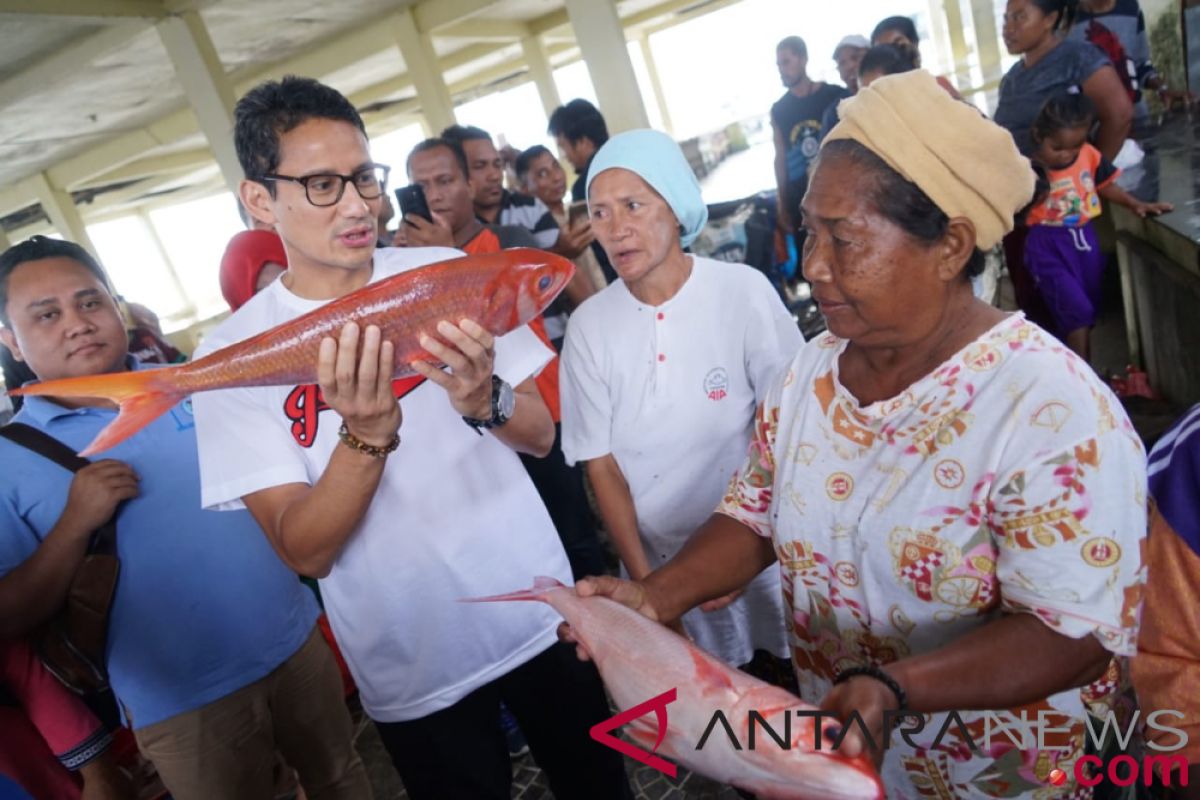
(411, 200)
(575, 212)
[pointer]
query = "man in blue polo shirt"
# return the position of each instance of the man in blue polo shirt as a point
(213, 651)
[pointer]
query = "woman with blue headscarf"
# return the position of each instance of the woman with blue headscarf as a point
(661, 375)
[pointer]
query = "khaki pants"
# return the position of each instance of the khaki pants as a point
(226, 750)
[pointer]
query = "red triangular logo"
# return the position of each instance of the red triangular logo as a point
(600, 732)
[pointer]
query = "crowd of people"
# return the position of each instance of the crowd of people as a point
(935, 507)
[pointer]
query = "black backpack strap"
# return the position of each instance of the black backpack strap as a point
(104, 540)
(44, 445)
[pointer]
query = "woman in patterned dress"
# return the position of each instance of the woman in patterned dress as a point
(955, 501)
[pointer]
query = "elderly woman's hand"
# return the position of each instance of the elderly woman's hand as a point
(631, 594)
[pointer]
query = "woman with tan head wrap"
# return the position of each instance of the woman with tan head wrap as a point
(956, 503)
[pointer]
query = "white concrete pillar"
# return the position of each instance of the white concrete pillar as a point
(941, 38)
(602, 42)
(960, 70)
(660, 97)
(987, 39)
(540, 71)
(208, 89)
(421, 63)
(63, 214)
(4, 242)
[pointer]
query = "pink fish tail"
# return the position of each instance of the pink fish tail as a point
(540, 586)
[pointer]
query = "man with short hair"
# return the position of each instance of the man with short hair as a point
(796, 122)
(495, 205)
(580, 131)
(399, 532)
(439, 167)
(212, 648)
(848, 55)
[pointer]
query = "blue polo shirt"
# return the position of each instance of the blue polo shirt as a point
(203, 607)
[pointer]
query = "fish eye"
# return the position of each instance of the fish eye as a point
(544, 283)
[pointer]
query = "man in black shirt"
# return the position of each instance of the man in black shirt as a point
(580, 130)
(796, 120)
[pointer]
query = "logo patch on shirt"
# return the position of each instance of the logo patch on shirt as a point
(716, 384)
(304, 403)
(182, 414)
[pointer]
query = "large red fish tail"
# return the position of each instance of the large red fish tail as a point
(143, 397)
(538, 592)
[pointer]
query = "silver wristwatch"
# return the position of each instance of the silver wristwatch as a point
(503, 403)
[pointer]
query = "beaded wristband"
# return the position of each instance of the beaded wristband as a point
(872, 671)
(354, 443)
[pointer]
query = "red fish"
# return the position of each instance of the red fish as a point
(500, 291)
(640, 660)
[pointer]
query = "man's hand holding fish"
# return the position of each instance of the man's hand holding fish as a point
(362, 393)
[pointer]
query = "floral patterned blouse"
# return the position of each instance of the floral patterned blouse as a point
(1007, 480)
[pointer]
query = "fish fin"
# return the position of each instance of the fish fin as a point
(136, 413)
(142, 395)
(540, 586)
(707, 673)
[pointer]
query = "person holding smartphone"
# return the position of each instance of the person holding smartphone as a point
(542, 176)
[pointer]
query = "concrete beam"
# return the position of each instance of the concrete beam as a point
(4, 241)
(434, 14)
(94, 164)
(68, 61)
(403, 82)
(62, 212)
(335, 54)
(199, 69)
(485, 30)
(153, 166)
(549, 23)
(420, 62)
(107, 156)
(120, 202)
(602, 40)
(94, 9)
(542, 74)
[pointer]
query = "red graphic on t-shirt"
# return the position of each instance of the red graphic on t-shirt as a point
(304, 403)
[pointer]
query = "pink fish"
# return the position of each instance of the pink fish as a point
(640, 660)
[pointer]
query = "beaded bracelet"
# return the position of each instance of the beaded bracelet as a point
(872, 671)
(354, 443)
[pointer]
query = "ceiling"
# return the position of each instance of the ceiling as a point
(91, 102)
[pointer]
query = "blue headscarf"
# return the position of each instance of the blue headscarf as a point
(655, 158)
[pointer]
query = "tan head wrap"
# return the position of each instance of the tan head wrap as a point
(968, 165)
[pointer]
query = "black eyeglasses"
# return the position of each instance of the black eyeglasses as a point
(327, 189)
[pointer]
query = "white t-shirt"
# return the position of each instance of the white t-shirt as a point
(455, 516)
(670, 391)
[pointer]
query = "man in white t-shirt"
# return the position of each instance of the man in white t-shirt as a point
(398, 533)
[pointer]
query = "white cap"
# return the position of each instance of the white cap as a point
(853, 40)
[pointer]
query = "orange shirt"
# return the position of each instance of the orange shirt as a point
(486, 241)
(1073, 200)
